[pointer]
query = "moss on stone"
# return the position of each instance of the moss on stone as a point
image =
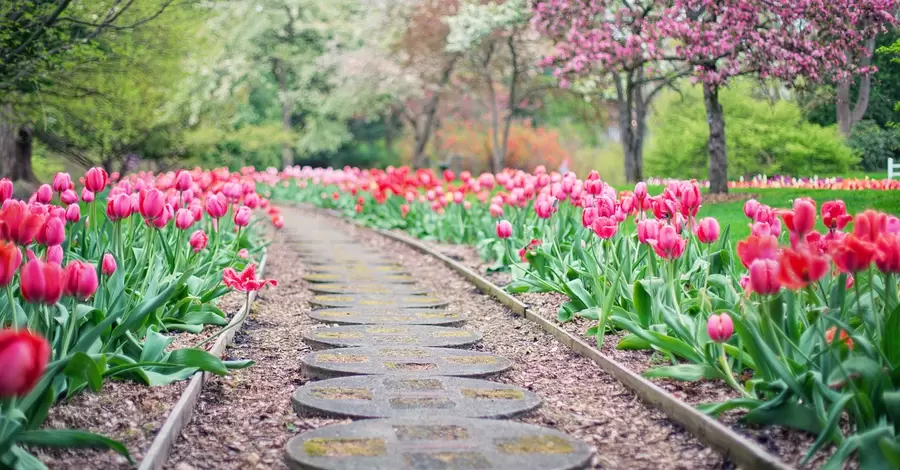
(341, 393)
(338, 447)
(493, 394)
(534, 445)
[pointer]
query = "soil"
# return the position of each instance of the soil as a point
(789, 444)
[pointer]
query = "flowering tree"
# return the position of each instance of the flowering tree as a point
(622, 43)
(784, 39)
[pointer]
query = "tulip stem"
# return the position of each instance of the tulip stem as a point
(243, 315)
(70, 327)
(729, 375)
(12, 307)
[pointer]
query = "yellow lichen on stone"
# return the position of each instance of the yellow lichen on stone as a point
(342, 393)
(337, 447)
(534, 445)
(493, 394)
(470, 360)
(342, 358)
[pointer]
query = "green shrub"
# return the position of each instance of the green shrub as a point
(761, 137)
(874, 145)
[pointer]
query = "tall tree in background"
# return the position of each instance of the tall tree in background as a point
(785, 40)
(41, 40)
(620, 44)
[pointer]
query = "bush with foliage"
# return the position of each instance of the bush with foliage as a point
(762, 137)
(874, 145)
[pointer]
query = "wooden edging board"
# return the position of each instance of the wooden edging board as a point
(180, 415)
(742, 451)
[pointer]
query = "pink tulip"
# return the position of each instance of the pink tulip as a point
(496, 210)
(640, 191)
(198, 241)
(87, 195)
(504, 229)
(648, 229)
(96, 179)
(243, 253)
(242, 216)
(41, 282)
(80, 280)
(605, 227)
(10, 260)
(669, 245)
(118, 207)
(183, 180)
(804, 216)
(764, 277)
(62, 182)
(152, 203)
(751, 207)
(216, 206)
(252, 200)
(54, 254)
(109, 264)
(6, 189)
(167, 214)
(73, 213)
(184, 218)
(719, 327)
(708, 230)
(68, 197)
(44, 194)
(52, 232)
(24, 356)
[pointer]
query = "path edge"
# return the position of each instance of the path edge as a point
(742, 451)
(180, 414)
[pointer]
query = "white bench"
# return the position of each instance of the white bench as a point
(892, 168)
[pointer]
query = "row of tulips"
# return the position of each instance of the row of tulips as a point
(803, 326)
(98, 277)
(815, 182)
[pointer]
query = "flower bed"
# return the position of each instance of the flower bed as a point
(94, 295)
(799, 324)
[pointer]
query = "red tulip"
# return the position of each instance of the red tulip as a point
(246, 280)
(95, 179)
(184, 219)
(753, 248)
(764, 277)
(52, 232)
(834, 215)
(6, 189)
(10, 259)
(62, 182)
(242, 216)
(278, 221)
(690, 199)
(24, 356)
(843, 337)
(669, 245)
(19, 223)
(152, 203)
(801, 267)
(108, 267)
(183, 180)
(869, 225)
(887, 253)
(708, 230)
(504, 229)
(719, 327)
(80, 280)
(73, 213)
(605, 227)
(41, 282)
(44, 194)
(198, 241)
(118, 207)
(449, 176)
(853, 254)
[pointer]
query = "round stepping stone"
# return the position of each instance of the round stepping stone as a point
(402, 361)
(378, 301)
(367, 288)
(435, 443)
(389, 335)
(360, 316)
(384, 396)
(357, 277)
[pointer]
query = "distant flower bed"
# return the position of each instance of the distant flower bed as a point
(780, 181)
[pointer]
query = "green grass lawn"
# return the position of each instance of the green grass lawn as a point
(731, 214)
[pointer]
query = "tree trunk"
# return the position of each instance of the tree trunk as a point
(627, 130)
(423, 132)
(16, 144)
(845, 117)
(287, 150)
(718, 159)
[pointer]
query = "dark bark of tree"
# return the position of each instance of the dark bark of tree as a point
(424, 124)
(287, 150)
(16, 143)
(846, 117)
(632, 123)
(718, 158)
(389, 130)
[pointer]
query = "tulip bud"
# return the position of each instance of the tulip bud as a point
(118, 207)
(87, 195)
(640, 191)
(68, 197)
(198, 241)
(764, 277)
(54, 255)
(720, 327)
(41, 282)
(243, 253)
(804, 216)
(95, 179)
(80, 280)
(109, 264)
(216, 205)
(708, 230)
(504, 229)
(6, 189)
(278, 221)
(73, 213)
(242, 216)
(44, 194)
(751, 207)
(252, 200)
(183, 180)
(52, 233)
(152, 203)
(184, 218)
(10, 259)
(24, 356)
